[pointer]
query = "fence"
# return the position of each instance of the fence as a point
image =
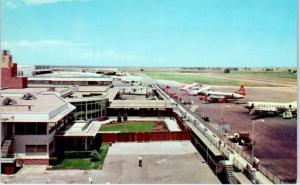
(145, 136)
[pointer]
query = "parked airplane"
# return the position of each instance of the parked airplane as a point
(272, 107)
(190, 86)
(202, 90)
(217, 96)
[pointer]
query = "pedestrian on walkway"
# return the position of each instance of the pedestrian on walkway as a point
(140, 161)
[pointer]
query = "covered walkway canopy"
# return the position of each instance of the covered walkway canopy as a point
(140, 104)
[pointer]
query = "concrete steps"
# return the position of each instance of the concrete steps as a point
(230, 176)
(5, 148)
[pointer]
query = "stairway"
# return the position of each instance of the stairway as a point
(229, 171)
(5, 147)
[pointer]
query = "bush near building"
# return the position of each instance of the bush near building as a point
(82, 160)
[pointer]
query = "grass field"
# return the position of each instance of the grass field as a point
(207, 78)
(81, 160)
(203, 79)
(129, 127)
(278, 76)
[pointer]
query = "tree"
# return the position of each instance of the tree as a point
(125, 117)
(289, 70)
(142, 69)
(119, 118)
(227, 70)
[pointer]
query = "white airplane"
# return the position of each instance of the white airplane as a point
(190, 86)
(271, 107)
(200, 91)
(215, 96)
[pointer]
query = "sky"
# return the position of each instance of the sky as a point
(151, 33)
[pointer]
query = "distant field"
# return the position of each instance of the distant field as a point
(129, 127)
(277, 76)
(205, 78)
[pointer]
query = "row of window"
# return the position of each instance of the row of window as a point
(30, 128)
(85, 116)
(35, 148)
(69, 82)
(84, 106)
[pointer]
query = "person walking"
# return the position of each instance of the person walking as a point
(140, 161)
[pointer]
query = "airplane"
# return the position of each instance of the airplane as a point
(199, 91)
(192, 86)
(215, 96)
(273, 107)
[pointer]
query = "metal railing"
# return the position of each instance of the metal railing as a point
(8, 158)
(271, 175)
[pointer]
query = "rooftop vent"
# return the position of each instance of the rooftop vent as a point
(8, 101)
(28, 96)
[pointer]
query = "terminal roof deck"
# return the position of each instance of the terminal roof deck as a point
(112, 93)
(136, 104)
(70, 79)
(45, 108)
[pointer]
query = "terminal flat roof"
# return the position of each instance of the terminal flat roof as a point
(81, 128)
(93, 88)
(61, 91)
(46, 107)
(241, 178)
(210, 146)
(42, 103)
(158, 104)
(112, 93)
(70, 79)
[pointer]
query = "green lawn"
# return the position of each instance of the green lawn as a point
(278, 76)
(81, 160)
(129, 127)
(207, 78)
(203, 78)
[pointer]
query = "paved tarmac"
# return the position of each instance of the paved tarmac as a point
(163, 162)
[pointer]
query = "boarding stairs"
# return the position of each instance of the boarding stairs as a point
(229, 168)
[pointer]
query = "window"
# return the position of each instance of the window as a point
(20, 129)
(41, 148)
(30, 129)
(41, 129)
(30, 148)
(36, 148)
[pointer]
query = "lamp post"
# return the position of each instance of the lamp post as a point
(222, 116)
(253, 123)
(203, 108)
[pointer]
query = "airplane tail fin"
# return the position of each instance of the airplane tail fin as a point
(242, 90)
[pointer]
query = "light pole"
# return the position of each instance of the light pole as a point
(253, 123)
(222, 116)
(203, 109)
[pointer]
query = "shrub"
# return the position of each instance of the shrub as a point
(95, 156)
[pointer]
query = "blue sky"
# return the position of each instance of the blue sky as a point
(158, 33)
